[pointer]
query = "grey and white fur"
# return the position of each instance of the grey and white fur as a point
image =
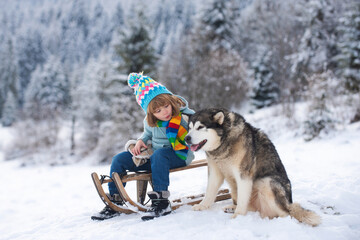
(245, 157)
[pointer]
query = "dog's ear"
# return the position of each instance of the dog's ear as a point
(186, 117)
(219, 118)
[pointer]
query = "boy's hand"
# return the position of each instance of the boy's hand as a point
(137, 149)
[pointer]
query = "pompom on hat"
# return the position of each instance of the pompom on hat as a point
(145, 89)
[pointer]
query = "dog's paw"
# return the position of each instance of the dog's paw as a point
(199, 207)
(229, 209)
(238, 212)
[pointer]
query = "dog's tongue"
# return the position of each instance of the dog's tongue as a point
(194, 147)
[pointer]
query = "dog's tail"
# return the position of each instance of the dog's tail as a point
(303, 215)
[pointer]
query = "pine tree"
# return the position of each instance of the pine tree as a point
(74, 30)
(10, 110)
(9, 84)
(78, 15)
(135, 47)
(219, 67)
(271, 29)
(48, 93)
(72, 50)
(205, 64)
(265, 90)
(349, 57)
(320, 117)
(100, 32)
(118, 17)
(30, 55)
(318, 43)
(216, 26)
(172, 19)
(187, 18)
(91, 101)
(163, 23)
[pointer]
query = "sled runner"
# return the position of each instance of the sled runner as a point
(142, 179)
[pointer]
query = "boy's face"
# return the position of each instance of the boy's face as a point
(163, 113)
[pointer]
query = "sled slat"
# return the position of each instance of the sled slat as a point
(119, 185)
(192, 200)
(106, 181)
(141, 187)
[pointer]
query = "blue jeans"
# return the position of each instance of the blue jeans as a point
(159, 164)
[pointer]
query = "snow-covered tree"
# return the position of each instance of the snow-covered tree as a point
(215, 27)
(271, 29)
(79, 15)
(100, 33)
(320, 116)
(118, 17)
(46, 98)
(348, 59)
(162, 25)
(48, 92)
(172, 18)
(30, 55)
(9, 84)
(135, 46)
(76, 79)
(187, 17)
(10, 110)
(318, 43)
(93, 103)
(265, 91)
(204, 67)
(72, 49)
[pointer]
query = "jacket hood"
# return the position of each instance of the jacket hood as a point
(184, 101)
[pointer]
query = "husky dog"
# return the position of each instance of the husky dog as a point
(246, 158)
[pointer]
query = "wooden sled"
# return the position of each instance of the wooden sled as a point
(142, 179)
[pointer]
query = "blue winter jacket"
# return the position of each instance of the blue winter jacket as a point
(158, 134)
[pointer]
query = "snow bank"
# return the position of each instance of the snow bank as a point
(42, 202)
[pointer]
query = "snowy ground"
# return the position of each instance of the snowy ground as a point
(42, 202)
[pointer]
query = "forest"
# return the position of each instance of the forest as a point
(64, 66)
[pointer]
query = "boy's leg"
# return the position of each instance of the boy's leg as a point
(121, 163)
(162, 161)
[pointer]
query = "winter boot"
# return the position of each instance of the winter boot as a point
(107, 212)
(160, 205)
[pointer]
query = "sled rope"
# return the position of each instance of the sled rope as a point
(103, 177)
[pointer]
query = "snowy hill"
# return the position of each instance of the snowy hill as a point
(59, 66)
(43, 202)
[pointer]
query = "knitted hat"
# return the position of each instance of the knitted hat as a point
(145, 89)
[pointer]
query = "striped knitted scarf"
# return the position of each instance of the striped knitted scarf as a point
(176, 135)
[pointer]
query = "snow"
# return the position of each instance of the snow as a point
(43, 202)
